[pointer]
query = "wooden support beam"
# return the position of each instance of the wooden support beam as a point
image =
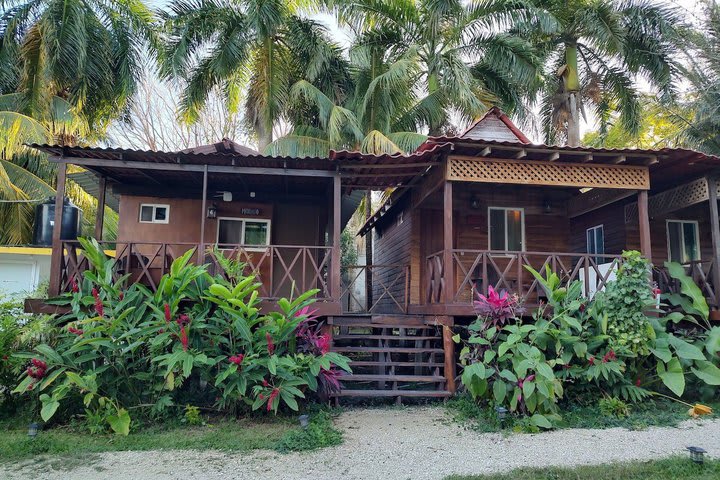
(100, 214)
(644, 219)
(715, 233)
(57, 249)
(335, 286)
(520, 154)
(588, 158)
(448, 270)
(203, 215)
(619, 159)
(449, 365)
(485, 152)
(554, 156)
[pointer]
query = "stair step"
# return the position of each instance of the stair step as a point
(385, 350)
(368, 363)
(391, 378)
(365, 336)
(393, 393)
(415, 326)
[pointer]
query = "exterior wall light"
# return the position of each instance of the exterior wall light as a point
(212, 211)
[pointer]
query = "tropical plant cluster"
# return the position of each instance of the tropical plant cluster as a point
(201, 340)
(580, 350)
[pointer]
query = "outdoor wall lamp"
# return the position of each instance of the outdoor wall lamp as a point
(212, 211)
(474, 202)
(547, 206)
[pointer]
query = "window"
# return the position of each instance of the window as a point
(151, 213)
(506, 229)
(683, 241)
(243, 231)
(595, 240)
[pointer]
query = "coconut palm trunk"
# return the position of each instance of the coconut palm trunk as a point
(368, 252)
(572, 89)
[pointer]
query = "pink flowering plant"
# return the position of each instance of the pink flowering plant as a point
(123, 348)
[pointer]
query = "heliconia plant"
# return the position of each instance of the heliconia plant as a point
(123, 348)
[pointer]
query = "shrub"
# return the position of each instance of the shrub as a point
(605, 349)
(613, 407)
(198, 339)
(625, 303)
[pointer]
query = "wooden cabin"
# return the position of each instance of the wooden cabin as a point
(466, 213)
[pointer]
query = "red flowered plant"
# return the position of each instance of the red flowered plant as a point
(184, 338)
(496, 307)
(236, 359)
(74, 331)
(99, 308)
(168, 315)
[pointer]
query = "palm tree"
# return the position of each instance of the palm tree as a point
(86, 52)
(264, 45)
(26, 176)
(467, 61)
(594, 55)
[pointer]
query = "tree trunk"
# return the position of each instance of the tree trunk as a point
(433, 86)
(572, 88)
(368, 251)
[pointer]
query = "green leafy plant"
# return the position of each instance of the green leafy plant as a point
(123, 348)
(191, 416)
(626, 301)
(613, 407)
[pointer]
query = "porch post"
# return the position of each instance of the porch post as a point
(57, 248)
(712, 185)
(100, 214)
(203, 214)
(448, 270)
(644, 218)
(335, 287)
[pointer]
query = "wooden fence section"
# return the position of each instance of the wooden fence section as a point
(279, 268)
(476, 270)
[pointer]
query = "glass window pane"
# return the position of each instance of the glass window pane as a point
(690, 240)
(599, 240)
(514, 230)
(590, 236)
(146, 213)
(497, 229)
(674, 241)
(229, 231)
(160, 213)
(256, 233)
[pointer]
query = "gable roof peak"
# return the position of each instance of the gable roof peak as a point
(495, 125)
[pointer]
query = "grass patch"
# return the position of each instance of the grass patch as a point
(651, 413)
(679, 468)
(276, 433)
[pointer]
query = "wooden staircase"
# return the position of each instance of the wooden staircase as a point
(392, 356)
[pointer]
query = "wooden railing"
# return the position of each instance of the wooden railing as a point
(475, 270)
(279, 268)
(700, 271)
(390, 288)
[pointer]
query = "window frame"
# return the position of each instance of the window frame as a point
(154, 207)
(522, 227)
(682, 238)
(244, 220)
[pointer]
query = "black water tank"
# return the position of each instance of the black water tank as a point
(45, 218)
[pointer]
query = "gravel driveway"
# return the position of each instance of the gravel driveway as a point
(412, 443)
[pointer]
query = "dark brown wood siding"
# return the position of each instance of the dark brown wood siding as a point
(611, 217)
(393, 246)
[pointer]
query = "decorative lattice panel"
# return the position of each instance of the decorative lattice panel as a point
(467, 169)
(671, 200)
